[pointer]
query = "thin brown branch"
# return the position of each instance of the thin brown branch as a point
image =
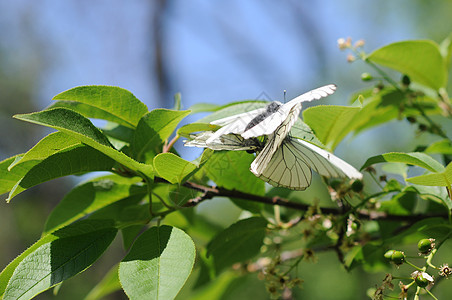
(209, 192)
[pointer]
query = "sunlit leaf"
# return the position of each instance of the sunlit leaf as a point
(91, 196)
(173, 168)
(77, 160)
(152, 130)
(54, 258)
(158, 264)
(110, 103)
(80, 128)
(420, 60)
(414, 158)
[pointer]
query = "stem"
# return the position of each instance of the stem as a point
(277, 212)
(438, 130)
(414, 266)
(294, 265)
(445, 101)
(169, 145)
(163, 202)
(376, 180)
(383, 74)
(431, 295)
(149, 188)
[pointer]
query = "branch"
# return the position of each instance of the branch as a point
(210, 192)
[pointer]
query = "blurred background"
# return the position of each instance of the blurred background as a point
(210, 51)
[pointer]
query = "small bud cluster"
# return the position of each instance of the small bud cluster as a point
(344, 44)
(278, 282)
(420, 277)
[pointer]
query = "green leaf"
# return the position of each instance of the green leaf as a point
(195, 127)
(420, 60)
(8, 179)
(69, 162)
(80, 128)
(301, 130)
(443, 147)
(91, 112)
(203, 107)
(216, 289)
(230, 169)
(438, 179)
(109, 284)
(233, 109)
(237, 243)
(121, 104)
(401, 204)
(118, 132)
(48, 146)
(129, 234)
(172, 194)
(7, 272)
(86, 228)
(331, 123)
(177, 101)
(91, 196)
(55, 262)
(126, 212)
(389, 104)
(414, 158)
(173, 168)
(158, 264)
(152, 130)
(437, 228)
(446, 50)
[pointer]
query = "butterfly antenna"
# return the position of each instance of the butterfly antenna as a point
(285, 96)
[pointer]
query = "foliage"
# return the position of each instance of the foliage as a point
(151, 193)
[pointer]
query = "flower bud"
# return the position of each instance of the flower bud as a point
(366, 77)
(406, 80)
(422, 279)
(398, 257)
(359, 43)
(357, 186)
(388, 254)
(411, 119)
(425, 246)
(341, 43)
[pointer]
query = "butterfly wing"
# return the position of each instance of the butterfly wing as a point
(224, 142)
(288, 110)
(322, 161)
(283, 168)
(234, 124)
(291, 164)
(315, 94)
(274, 141)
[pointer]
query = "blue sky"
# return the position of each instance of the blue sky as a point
(215, 51)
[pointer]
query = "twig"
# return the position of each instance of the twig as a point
(210, 192)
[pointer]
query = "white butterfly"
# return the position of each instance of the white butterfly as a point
(282, 161)
(264, 121)
(289, 165)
